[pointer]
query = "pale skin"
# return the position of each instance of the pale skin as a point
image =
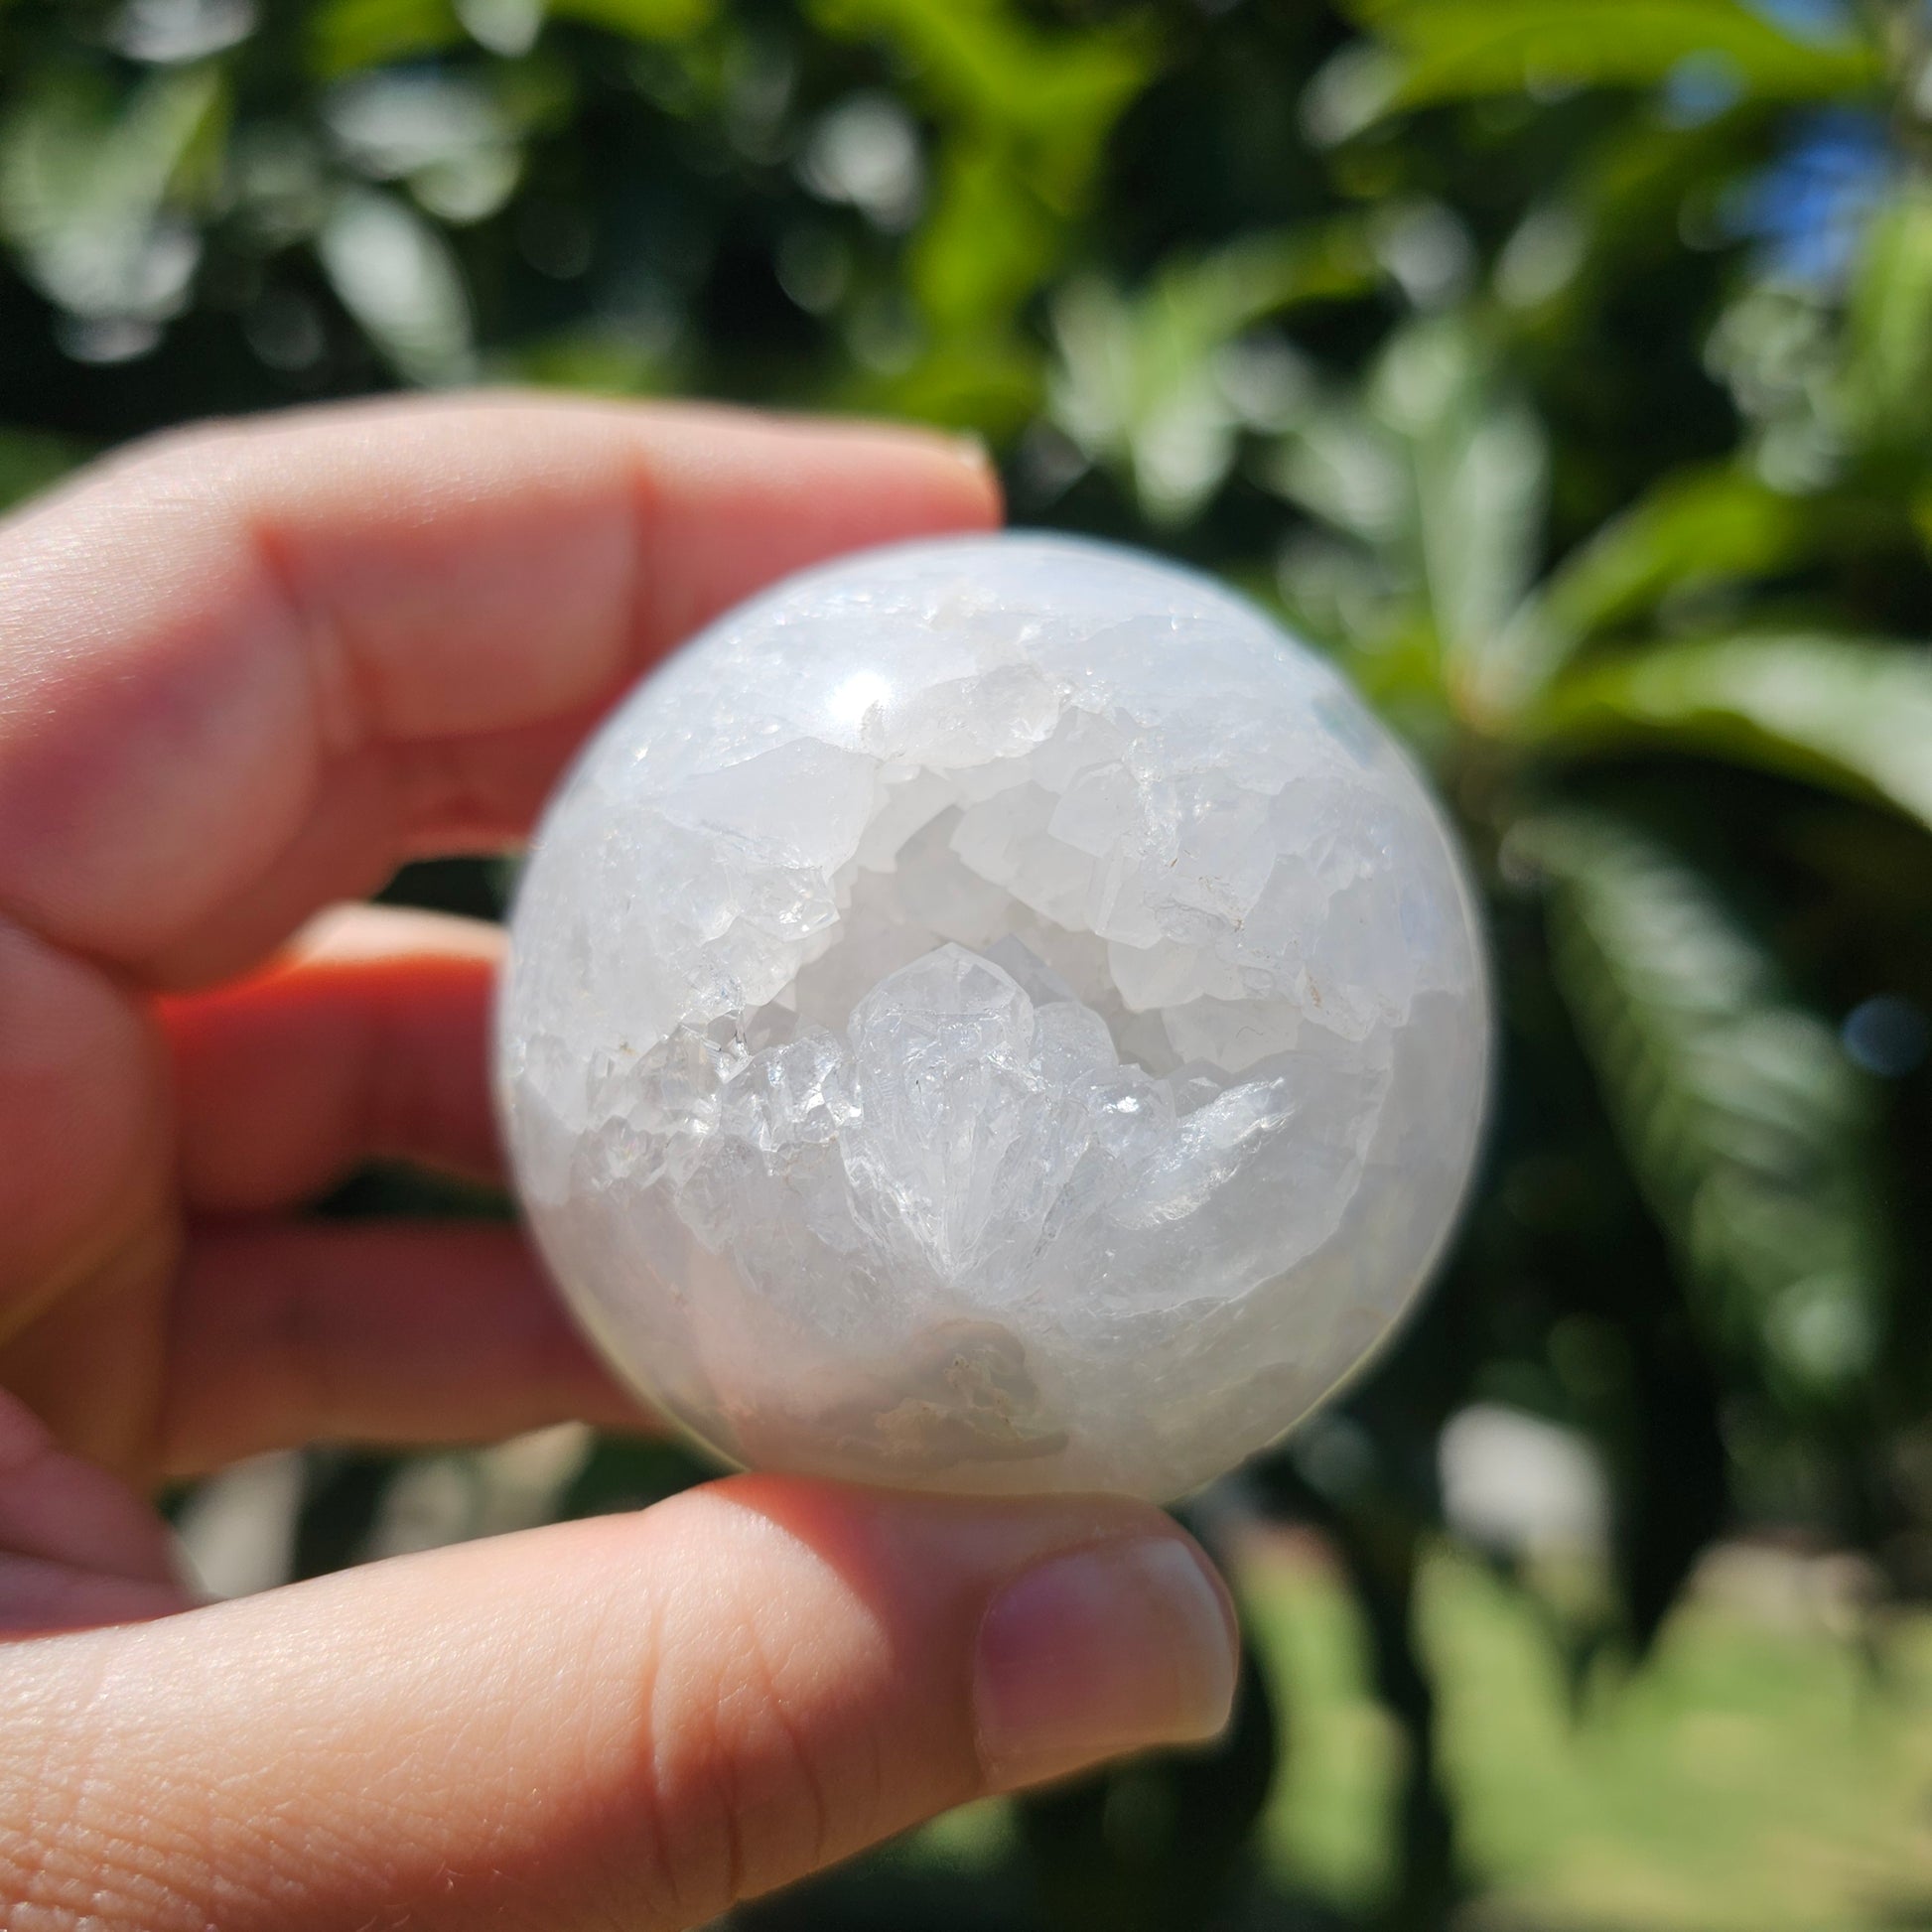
(245, 672)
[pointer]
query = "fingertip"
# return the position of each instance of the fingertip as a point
(1099, 1652)
(1082, 1628)
(959, 465)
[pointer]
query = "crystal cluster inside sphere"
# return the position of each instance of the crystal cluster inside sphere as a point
(993, 1014)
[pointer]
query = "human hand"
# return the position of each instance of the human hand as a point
(245, 673)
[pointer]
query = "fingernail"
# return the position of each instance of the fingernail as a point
(1099, 1652)
(973, 449)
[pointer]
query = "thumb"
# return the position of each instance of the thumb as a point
(629, 1721)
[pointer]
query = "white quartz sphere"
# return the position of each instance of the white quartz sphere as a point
(993, 1014)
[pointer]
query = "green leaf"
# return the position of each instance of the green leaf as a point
(1696, 530)
(1887, 377)
(395, 274)
(1834, 710)
(982, 62)
(30, 461)
(991, 388)
(1344, 468)
(1478, 464)
(1149, 384)
(640, 19)
(1022, 115)
(93, 189)
(1751, 1136)
(1430, 50)
(601, 358)
(987, 244)
(1441, 469)
(345, 36)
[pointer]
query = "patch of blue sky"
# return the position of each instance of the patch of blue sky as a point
(1808, 209)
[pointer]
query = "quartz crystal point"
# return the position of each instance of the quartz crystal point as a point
(993, 1014)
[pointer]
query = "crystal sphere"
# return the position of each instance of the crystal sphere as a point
(993, 1014)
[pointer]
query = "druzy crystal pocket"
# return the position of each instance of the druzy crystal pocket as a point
(993, 1014)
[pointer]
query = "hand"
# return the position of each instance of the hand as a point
(243, 673)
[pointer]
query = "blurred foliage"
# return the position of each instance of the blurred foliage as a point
(1563, 366)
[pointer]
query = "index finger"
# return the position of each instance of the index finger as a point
(267, 662)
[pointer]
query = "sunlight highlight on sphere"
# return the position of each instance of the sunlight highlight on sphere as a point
(993, 1014)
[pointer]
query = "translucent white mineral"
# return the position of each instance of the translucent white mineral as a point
(993, 1014)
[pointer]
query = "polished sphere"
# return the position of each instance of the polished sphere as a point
(993, 1014)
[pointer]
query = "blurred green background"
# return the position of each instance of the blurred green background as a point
(1564, 367)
